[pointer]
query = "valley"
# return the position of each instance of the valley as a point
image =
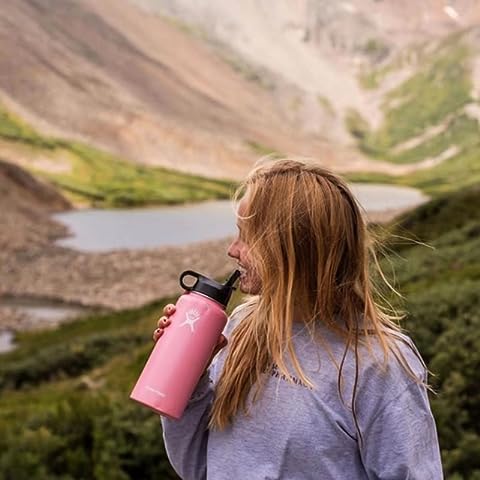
(142, 104)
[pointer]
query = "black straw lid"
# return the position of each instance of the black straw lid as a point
(221, 293)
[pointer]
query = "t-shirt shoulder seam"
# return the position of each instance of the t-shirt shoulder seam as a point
(395, 398)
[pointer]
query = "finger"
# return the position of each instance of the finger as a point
(157, 333)
(221, 343)
(163, 322)
(169, 309)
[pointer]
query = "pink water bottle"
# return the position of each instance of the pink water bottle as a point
(181, 355)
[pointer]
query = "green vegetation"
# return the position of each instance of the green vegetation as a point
(441, 285)
(460, 171)
(371, 78)
(14, 129)
(375, 48)
(326, 105)
(438, 90)
(262, 150)
(461, 131)
(64, 407)
(65, 411)
(106, 180)
(434, 97)
(110, 181)
(248, 71)
(356, 124)
(441, 281)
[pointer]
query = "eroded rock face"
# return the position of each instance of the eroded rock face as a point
(26, 203)
(15, 181)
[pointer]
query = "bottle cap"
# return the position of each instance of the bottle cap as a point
(219, 292)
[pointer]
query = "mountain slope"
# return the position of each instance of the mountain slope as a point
(311, 51)
(431, 125)
(134, 84)
(207, 87)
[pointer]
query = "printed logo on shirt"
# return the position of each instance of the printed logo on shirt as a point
(275, 372)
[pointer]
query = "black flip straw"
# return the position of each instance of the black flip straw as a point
(233, 278)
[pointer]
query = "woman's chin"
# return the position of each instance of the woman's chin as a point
(248, 288)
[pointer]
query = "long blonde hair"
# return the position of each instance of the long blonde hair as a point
(311, 249)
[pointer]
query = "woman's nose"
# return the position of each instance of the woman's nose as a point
(232, 250)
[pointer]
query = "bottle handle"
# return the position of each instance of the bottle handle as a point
(189, 273)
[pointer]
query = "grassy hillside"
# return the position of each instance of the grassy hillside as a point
(98, 178)
(440, 88)
(65, 411)
(64, 407)
(425, 117)
(441, 285)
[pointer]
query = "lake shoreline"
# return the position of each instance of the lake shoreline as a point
(38, 274)
(105, 230)
(108, 281)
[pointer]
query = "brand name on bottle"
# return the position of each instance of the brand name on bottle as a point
(154, 390)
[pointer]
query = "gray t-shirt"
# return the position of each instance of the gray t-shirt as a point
(298, 433)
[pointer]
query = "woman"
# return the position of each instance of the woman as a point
(317, 382)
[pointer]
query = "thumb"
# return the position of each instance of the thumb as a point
(221, 343)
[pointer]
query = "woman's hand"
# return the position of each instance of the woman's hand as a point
(164, 321)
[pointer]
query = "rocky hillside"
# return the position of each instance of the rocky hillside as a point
(24, 216)
(207, 87)
(310, 53)
(135, 84)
